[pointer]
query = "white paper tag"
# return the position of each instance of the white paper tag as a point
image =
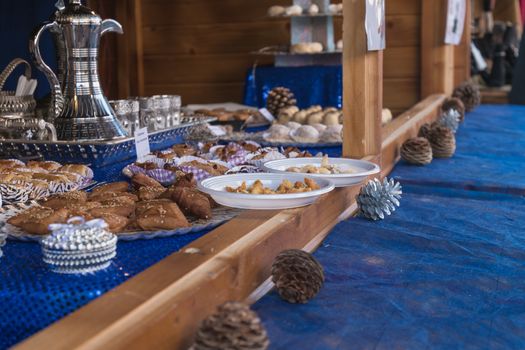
(457, 10)
(142, 144)
(375, 25)
(267, 115)
(217, 130)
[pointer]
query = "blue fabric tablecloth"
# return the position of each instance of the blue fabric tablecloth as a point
(446, 271)
(312, 85)
(32, 297)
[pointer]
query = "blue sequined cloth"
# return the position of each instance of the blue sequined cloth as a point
(32, 297)
(445, 271)
(312, 85)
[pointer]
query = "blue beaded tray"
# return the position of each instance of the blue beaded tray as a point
(96, 153)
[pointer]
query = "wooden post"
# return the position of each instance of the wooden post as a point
(362, 86)
(463, 54)
(437, 58)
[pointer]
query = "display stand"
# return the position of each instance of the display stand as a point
(308, 28)
(162, 307)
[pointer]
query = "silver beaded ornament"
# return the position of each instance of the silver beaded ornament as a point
(450, 120)
(79, 247)
(377, 199)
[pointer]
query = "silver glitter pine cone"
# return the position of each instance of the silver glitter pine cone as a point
(377, 199)
(443, 142)
(417, 151)
(424, 130)
(454, 103)
(279, 98)
(297, 276)
(469, 94)
(450, 120)
(233, 327)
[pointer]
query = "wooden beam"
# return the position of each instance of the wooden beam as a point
(437, 58)
(362, 86)
(162, 307)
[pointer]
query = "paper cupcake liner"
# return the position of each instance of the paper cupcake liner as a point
(165, 177)
(198, 173)
(271, 155)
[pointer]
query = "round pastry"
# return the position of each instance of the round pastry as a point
(314, 118)
(46, 165)
(277, 133)
(314, 109)
(305, 134)
(79, 169)
(306, 48)
(339, 45)
(313, 9)
(293, 125)
(286, 114)
(276, 11)
(331, 118)
(332, 134)
(386, 116)
(294, 10)
(11, 163)
(330, 109)
(300, 117)
(121, 186)
(319, 127)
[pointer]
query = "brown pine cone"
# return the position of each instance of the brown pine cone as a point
(297, 275)
(424, 130)
(417, 151)
(455, 104)
(279, 98)
(469, 94)
(443, 142)
(233, 327)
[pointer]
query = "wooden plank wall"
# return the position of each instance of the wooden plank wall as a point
(200, 49)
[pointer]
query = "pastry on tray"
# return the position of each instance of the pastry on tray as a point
(65, 200)
(192, 202)
(121, 186)
(150, 207)
(161, 215)
(140, 180)
(37, 220)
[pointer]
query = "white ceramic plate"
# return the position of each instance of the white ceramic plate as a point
(216, 187)
(362, 169)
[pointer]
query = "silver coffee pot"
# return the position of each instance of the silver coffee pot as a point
(79, 110)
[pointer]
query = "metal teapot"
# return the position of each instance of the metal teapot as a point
(79, 110)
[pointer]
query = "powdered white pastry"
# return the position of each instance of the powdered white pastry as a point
(286, 114)
(294, 10)
(276, 11)
(319, 127)
(339, 44)
(386, 116)
(277, 133)
(331, 118)
(313, 9)
(305, 134)
(315, 118)
(300, 117)
(313, 109)
(306, 48)
(293, 125)
(332, 134)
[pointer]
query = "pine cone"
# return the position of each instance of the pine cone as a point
(377, 199)
(233, 327)
(297, 275)
(450, 120)
(417, 151)
(443, 142)
(278, 98)
(454, 104)
(469, 94)
(424, 131)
